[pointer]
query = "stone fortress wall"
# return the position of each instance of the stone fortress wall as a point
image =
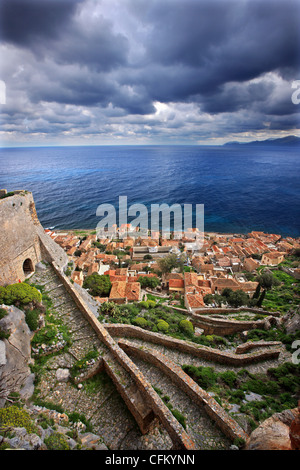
(23, 241)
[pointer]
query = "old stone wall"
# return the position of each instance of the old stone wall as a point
(205, 352)
(23, 238)
(226, 310)
(183, 381)
(223, 327)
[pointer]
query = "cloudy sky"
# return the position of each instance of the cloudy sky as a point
(88, 72)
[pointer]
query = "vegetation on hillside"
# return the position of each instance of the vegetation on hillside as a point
(275, 391)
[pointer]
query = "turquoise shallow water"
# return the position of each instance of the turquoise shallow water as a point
(242, 188)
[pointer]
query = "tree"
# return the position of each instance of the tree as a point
(97, 285)
(261, 298)
(219, 300)
(172, 261)
(151, 282)
(208, 299)
(267, 280)
(227, 292)
(238, 298)
(296, 252)
(257, 292)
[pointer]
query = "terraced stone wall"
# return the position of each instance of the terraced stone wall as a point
(209, 354)
(223, 327)
(183, 381)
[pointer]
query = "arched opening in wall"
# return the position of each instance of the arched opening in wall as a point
(28, 267)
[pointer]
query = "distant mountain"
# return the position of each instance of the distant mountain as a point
(290, 140)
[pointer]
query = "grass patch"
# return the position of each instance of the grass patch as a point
(285, 296)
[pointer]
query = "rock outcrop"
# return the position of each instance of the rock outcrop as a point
(295, 431)
(49, 430)
(279, 432)
(291, 321)
(15, 355)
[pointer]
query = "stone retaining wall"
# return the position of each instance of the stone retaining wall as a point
(179, 437)
(242, 348)
(90, 372)
(207, 353)
(223, 327)
(230, 428)
(226, 310)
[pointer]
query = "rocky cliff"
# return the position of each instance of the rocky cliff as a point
(279, 432)
(15, 355)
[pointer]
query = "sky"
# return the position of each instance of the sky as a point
(143, 72)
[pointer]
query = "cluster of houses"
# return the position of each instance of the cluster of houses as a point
(219, 262)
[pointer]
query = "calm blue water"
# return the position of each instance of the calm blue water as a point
(242, 189)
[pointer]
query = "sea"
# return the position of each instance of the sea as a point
(242, 188)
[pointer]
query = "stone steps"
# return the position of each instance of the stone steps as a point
(196, 401)
(201, 429)
(128, 390)
(83, 338)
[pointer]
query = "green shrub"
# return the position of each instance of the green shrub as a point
(16, 417)
(229, 377)
(140, 321)
(210, 338)
(109, 308)
(204, 376)
(47, 335)
(236, 396)
(179, 416)
(19, 294)
(3, 313)
(75, 417)
(144, 304)
(239, 442)
(57, 441)
(32, 319)
(289, 383)
(49, 405)
(4, 446)
(162, 326)
(186, 326)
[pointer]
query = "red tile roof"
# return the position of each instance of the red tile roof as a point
(176, 283)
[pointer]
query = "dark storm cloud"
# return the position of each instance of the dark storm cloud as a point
(53, 28)
(210, 43)
(230, 59)
(250, 37)
(25, 21)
